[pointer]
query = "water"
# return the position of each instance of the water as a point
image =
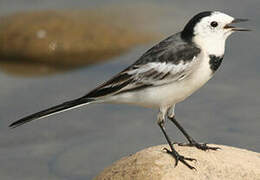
(80, 143)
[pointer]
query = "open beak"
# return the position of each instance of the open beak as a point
(229, 26)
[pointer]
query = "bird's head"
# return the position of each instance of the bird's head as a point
(210, 27)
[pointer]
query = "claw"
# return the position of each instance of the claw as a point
(181, 158)
(176, 162)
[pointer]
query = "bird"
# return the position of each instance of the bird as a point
(164, 75)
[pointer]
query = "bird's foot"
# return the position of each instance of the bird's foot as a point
(180, 158)
(201, 146)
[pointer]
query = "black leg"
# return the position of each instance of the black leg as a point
(192, 142)
(173, 152)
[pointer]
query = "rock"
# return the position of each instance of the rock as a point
(153, 163)
(67, 38)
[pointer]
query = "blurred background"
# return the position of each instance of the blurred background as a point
(52, 51)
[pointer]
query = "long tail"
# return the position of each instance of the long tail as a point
(51, 111)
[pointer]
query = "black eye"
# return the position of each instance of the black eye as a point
(214, 24)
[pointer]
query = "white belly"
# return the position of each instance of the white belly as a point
(170, 94)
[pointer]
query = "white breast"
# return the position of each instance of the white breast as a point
(178, 91)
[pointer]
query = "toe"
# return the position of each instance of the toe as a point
(190, 159)
(187, 164)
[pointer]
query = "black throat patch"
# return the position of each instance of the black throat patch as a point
(215, 62)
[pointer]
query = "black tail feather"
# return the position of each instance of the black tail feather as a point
(50, 111)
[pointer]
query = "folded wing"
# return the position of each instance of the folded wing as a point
(170, 60)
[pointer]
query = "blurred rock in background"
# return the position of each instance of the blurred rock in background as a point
(53, 41)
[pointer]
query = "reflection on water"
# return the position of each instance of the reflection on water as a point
(80, 143)
(30, 69)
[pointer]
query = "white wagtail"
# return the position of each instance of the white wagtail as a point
(165, 75)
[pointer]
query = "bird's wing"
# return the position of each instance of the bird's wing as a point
(162, 64)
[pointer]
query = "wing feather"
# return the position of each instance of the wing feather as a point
(168, 61)
(151, 74)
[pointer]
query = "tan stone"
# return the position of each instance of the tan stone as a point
(153, 163)
(67, 38)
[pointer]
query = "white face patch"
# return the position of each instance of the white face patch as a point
(210, 33)
(205, 29)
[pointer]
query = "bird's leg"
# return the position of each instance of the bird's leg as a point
(172, 152)
(192, 142)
